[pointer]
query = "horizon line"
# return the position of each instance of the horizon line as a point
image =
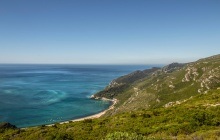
(78, 64)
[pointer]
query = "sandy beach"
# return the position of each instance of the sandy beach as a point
(114, 101)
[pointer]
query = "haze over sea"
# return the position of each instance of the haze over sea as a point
(32, 95)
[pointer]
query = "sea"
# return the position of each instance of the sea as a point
(34, 95)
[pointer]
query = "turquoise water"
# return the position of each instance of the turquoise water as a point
(32, 95)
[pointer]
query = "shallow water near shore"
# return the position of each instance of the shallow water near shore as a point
(32, 95)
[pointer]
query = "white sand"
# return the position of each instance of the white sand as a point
(93, 116)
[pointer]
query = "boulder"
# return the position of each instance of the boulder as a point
(6, 125)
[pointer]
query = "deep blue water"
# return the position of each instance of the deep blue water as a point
(32, 95)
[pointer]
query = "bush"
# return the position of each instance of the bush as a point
(146, 115)
(124, 136)
(87, 121)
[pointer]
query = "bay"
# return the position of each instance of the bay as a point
(33, 95)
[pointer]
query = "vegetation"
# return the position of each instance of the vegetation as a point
(124, 136)
(198, 117)
(163, 87)
(173, 103)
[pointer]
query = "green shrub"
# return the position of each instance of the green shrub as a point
(87, 121)
(133, 115)
(124, 136)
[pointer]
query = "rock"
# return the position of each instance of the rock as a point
(178, 102)
(172, 67)
(172, 86)
(6, 125)
(158, 100)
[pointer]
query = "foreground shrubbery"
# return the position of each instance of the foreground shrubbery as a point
(124, 136)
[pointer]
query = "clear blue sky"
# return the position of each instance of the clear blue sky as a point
(108, 31)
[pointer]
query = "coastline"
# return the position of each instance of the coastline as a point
(95, 116)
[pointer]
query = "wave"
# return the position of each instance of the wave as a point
(46, 97)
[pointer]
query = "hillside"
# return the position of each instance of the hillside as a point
(164, 87)
(178, 101)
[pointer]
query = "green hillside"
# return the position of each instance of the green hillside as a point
(179, 101)
(164, 87)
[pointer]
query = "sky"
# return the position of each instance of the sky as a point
(108, 31)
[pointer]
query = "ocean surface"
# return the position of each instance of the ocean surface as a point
(33, 95)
